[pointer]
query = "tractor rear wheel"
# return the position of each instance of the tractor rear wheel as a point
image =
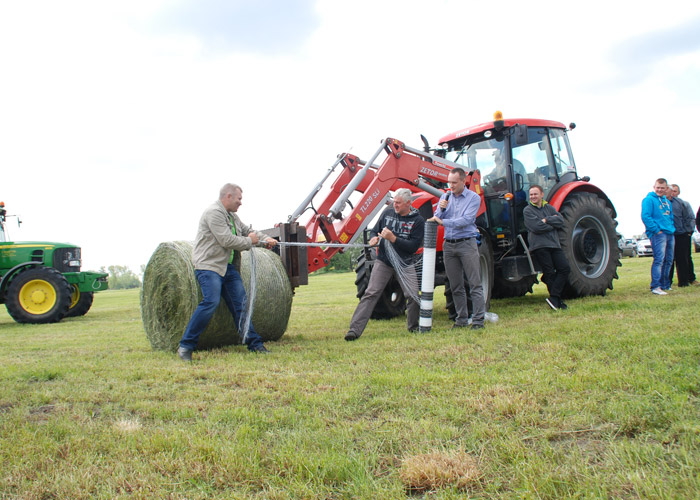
(38, 295)
(392, 302)
(589, 241)
(80, 303)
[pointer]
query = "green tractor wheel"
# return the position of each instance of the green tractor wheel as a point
(80, 303)
(38, 295)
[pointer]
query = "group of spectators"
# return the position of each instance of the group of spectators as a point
(669, 222)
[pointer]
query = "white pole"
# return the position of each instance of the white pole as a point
(427, 287)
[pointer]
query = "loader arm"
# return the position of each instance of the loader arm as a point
(402, 167)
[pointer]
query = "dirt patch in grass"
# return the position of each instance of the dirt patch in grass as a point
(42, 413)
(432, 471)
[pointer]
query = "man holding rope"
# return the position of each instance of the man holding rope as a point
(402, 228)
(221, 237)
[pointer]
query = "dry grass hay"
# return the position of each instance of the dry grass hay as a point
(170, 294)
(433, 471)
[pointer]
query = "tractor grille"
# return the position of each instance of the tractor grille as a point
(64, 257)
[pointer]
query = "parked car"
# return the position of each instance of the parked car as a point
(696, 241)
(644, 248)
(628, 247)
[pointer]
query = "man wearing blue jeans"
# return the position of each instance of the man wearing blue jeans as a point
(657, 216)
(221, 237)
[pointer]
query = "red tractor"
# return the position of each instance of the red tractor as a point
(503, 158)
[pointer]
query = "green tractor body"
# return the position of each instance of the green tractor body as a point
(41, 282)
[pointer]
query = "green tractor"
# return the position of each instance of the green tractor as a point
(41, 282)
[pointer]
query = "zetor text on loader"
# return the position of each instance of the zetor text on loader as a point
(502, 158)
(41, 282)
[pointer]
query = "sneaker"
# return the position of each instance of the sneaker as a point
(563, 306)
(658, 291)
(350, 336)
(551, 302)
(476, 327)
(260, 350)
(184, 354)
(455, 326)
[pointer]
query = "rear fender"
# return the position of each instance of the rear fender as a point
(561, 193)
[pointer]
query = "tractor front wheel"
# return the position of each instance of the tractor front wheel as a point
(80, 303)
(38, 295)
(589, 241)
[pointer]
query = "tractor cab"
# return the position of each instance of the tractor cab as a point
(512, 155)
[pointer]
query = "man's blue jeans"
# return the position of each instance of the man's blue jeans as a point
(214, 287)
(662, 249)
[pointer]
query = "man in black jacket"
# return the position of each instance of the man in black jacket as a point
(542, 222)
(402, 228)
(684, 222)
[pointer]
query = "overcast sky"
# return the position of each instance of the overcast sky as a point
(120, 121)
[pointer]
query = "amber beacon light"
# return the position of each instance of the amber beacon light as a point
(498, 120)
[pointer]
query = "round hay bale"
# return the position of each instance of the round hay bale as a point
(170, 294)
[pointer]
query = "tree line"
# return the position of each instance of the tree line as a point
(121, 277)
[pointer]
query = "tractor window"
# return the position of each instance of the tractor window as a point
(560, 150)
(487, 156)
(532, 160)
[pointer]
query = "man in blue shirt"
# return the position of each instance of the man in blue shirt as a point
(457, 212)
(657, 216)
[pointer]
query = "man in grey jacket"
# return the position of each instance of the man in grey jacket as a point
(221, 237)
(684, 222)
(542, 222)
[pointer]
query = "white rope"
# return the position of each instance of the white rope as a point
(322, 244)
(247, 317)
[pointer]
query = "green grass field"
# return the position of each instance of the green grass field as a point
(600, 401)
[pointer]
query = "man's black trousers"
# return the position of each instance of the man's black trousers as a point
(555, 269)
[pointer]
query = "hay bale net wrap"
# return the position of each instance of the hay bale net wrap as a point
(171, 293)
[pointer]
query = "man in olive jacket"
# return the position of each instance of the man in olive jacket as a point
(221, 237)
(542, 222)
